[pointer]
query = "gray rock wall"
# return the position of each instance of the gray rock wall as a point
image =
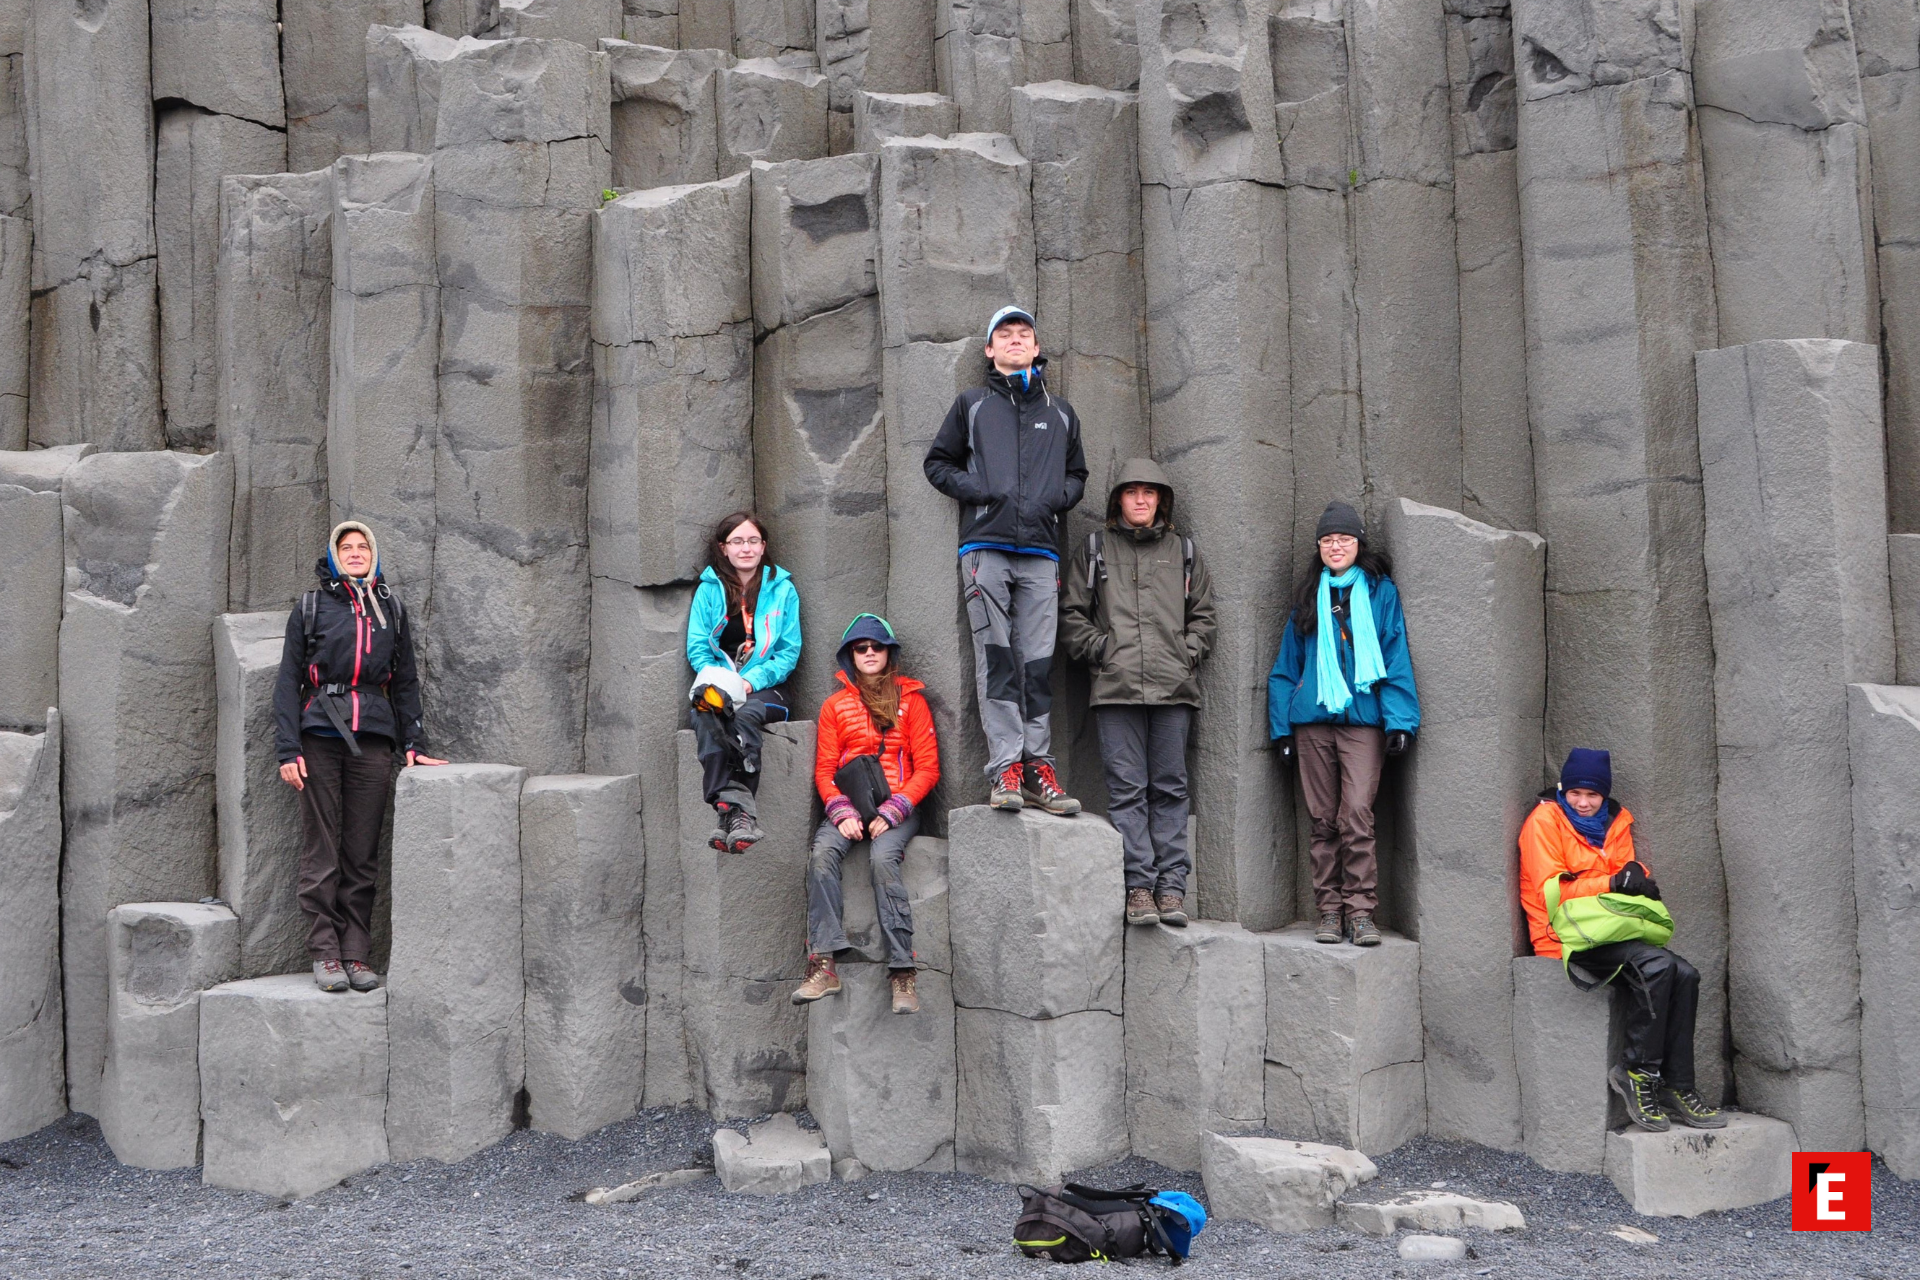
(1564, 1039)
(33, 1076)
(1618, 299)
(1903, 575)
(1791, 455)
(1886, 40)
(1883, 732)
(666, 129)
(323, 64)
(146, 538)
(882, 1086)
(16, 184)
(983, 49)
(769, 110)
(16, 324)
(32, 581)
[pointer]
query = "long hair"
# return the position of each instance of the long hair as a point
(1306, 594)
(738, 597)
(881, 693)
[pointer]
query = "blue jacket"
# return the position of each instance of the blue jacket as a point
(776, 627)
(1293, 689)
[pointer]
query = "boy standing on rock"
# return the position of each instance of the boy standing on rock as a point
(1009, 452)
(1139, 612)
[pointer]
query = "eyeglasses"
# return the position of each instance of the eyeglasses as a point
(1339, 540)
(868, 646)
(741, 544)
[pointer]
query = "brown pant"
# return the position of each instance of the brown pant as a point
(342, 807)
(1339, 777)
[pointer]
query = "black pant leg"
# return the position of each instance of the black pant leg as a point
(321, 803)
(368, 779)
(1648, 975)
(1683, 1005)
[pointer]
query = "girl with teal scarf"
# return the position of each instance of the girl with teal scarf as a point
(1340, 699)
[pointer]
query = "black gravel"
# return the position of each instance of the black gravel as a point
(67, 1209)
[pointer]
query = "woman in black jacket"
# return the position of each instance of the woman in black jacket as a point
(348, 697)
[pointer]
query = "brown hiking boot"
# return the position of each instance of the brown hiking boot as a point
(820, 981)
(1365, 932)
(1044, 790)
(1328, 929)
(906, 995)
(1006, 791)
(1172, 910)
(1140, 907)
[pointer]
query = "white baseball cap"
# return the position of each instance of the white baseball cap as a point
(1005, 314)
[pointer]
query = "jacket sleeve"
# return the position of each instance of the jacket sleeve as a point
(405, 689)
(1283, 680)
(701, 651)
(286, 690)
(947, 458)
(783, 654)
(1399, 701)
(826, 752)
(1079, 621)
(925, 747)
(1076, 487)
(1202, 624)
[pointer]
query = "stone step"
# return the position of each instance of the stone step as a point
(1684, 1173)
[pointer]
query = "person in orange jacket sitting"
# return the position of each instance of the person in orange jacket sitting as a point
(1583, 836)
(875, 712)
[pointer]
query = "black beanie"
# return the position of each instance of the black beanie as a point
(1340, 518)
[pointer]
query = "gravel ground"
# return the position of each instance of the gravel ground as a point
(67, 1209)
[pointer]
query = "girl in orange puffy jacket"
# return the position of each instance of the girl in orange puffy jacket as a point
(876, 712)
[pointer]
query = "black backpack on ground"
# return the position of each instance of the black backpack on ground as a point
(1074, 1223)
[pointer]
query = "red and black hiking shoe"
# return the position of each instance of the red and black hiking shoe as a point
(1006, 791)
(1043, 789)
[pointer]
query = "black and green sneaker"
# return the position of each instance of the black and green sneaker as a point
(1690, 1109)
(1641, 1092)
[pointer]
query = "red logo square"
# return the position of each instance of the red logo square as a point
(1832, 1191)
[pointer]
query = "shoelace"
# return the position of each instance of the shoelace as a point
(1049, 785)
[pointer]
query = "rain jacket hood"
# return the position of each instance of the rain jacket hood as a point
(1141, 471)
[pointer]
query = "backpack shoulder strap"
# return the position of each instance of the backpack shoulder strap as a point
(309, 607)
(1186, 564)
(1096, 560)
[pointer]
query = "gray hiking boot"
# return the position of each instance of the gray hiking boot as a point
(743, 831)
(1043, 789)
(1365, 932)
(1140, 908)
(1640, 1090)
(360, 976)
(1690, 1109)
(329, 975)
(1328, 929)
(1006, 789)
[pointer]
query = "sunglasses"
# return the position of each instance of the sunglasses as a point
(868, 646)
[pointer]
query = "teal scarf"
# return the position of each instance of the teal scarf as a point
(1368, 666)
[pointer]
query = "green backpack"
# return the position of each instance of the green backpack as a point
(1599, 919)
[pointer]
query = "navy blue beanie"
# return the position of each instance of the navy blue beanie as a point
(865, 626)
(1586, 767)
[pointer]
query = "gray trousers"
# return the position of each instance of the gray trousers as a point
(826, 928)
(1145, 751)
(1013, 606)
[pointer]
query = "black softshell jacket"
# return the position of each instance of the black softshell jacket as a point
(349, 647)
(1011, 456)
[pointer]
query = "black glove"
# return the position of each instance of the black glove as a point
(1285, 747)
(1398, 740)
(1633, 878)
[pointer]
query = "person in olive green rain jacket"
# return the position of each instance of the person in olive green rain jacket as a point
(1137, 607)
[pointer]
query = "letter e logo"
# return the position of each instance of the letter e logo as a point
(1832, 1191)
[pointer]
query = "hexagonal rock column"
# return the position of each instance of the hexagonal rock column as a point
(879, 116)
(456, 984)
(882, 1086)
(769, 111)
(1793, 459)
(293, 1084)
(1037, 963)
(1473, 599)
(956, 243)
(1206, 92)
(885, 48)
(819, 442)
(673, 395)
(585, 22)
(1343, 1044)
(33, 1084)
(1564, 1042)
(404, 68)
(1684, 1173)
(1903, 574)
(983, 48)
(383, 399)
(1279, 1185)
(16, 313)
(1884, 758)
(636, 698)
(260, 832)
(666, 129)
(1195, 1026)
(95, 359)
(273, 337)
(581, 877)
(146, 538)
(32, 581)
(323, 59)
(164, 955)
(744, 932)
(520, 160)
(1783, 134)
(1615, 444)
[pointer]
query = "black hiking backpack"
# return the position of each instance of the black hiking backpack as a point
(1074, 1223)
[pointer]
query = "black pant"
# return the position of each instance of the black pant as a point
(341, 808)
(729, 746)
(1662, 996)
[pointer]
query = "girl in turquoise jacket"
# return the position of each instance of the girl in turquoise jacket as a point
(746, 617)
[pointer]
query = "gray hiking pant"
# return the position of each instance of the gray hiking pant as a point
(826, 925)
(1013, 606)
(1145, 751)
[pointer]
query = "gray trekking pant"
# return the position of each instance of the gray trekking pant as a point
(1145, 751)
(826, 927)
(1013, 606)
